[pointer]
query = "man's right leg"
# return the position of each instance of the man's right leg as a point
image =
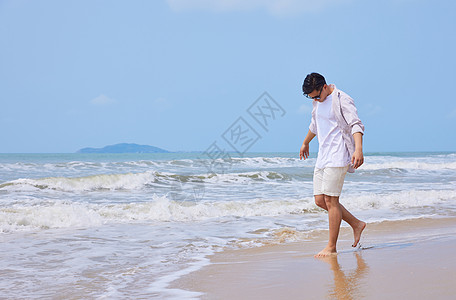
(356, 224)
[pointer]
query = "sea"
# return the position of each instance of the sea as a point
(125, 226)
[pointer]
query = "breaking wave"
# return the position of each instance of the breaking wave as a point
(63, 214)
(25, 215)
(134, 181)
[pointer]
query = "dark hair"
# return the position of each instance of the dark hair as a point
(313, 81)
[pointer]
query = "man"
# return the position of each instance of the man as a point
(340, 132)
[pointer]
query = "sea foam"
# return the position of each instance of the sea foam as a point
(62, 214)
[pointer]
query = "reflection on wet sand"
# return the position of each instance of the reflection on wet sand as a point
(347, 285)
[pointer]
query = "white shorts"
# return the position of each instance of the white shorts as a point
(329, 181)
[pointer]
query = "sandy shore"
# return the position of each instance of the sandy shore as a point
(398, 260)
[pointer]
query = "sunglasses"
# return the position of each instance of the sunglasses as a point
(316, 97)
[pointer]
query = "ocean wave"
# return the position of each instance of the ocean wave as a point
(375, 161)
(268, 162)
(61, 214)
(135, 181)
(246, 177)
(129, 181)
(409, 165)
(48, 215)
(399, 200)
(24, 215)
(173, 164)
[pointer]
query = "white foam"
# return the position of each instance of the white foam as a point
(398, 200)
(127, 181)
(265, 161)
(57, 214)
(133, 181)
(161, 285)
(412, 165)
(245, 177)
(163, 209)
(60, 214)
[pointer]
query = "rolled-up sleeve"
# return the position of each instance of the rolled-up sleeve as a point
(350, 114)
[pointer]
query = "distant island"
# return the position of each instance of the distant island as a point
(124, 148)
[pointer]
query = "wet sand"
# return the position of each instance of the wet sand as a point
(397, 260)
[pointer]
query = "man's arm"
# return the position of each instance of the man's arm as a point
(358, 158)
(304, 152)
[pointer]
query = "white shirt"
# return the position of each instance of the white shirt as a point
(332, 151)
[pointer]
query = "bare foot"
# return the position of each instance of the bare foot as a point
(326, 252)
(357, 232)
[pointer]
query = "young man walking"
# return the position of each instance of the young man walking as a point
(339, 130)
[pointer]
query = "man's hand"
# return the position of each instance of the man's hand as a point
(304, 152)
(357, 159)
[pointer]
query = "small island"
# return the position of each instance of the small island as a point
(124, 148)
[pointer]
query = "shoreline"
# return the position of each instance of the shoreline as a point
(398, 259)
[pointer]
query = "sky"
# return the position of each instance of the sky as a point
(188, 75)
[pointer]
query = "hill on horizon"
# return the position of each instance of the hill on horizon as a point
(124, 148)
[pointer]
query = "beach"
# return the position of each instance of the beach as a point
(397, 260)
(189, 226)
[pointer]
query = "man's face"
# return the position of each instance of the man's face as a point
(319, 95)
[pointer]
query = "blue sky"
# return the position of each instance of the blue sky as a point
(177, 74)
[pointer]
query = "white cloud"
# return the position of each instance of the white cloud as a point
(274, 7)
(102, 100)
